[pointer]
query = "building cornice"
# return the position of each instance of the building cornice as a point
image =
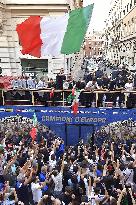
(34, 6)
(1, 5)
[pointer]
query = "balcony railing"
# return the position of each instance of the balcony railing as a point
(60, 98)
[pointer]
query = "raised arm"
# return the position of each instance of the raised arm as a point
(131, 194)
(27, 181)
(121, 196)
(10, 164)
(62, 165)
(105, 168)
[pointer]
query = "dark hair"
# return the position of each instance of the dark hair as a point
(55, 172)
(84, 199)
(94, 79)
(47, 201)
(96, 190)
(53, 157)
(68, 189)
(11, 197)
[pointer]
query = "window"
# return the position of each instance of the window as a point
(127, 7)
(133, 26)
(34, 66)
(129, 29)
(124, 11)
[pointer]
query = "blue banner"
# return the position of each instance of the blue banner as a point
(65, 124)
(64, 115)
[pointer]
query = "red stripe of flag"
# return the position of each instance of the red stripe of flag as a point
(29, 35)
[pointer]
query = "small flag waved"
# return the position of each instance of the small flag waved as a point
(74, 98)
(34, 120)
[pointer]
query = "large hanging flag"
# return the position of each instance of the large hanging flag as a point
(41, 36)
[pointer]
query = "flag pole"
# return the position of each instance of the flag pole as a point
(65, 64)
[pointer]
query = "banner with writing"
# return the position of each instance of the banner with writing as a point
(61, 115)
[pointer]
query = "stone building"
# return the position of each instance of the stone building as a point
(120, 32)
(12, 62)
(94, 44)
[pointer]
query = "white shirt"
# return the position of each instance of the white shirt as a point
(52, 163)
(65, 85)
(128, 173)
(30, 83)
(14, 84)
(40, 84)
(93, 198)
(129, 86)
(51, 153)
(37, 193)
(24, 83)
(7, 202)
(58, 182)
(91, 85)
(1, 167)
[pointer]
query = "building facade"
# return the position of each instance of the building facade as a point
(12, 62)
(120, 32)
(94, 45)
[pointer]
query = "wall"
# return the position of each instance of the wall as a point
(120, 31)
(13, 13)
(94, 44)
(36, 2)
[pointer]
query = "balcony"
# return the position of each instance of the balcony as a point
(60, 98)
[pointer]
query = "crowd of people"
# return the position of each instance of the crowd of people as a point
(121, 80)
(44, 171)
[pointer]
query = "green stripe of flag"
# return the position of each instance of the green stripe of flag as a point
(78, 23)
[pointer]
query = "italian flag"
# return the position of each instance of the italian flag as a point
(49, 35)
(33, 131)
(75, 103)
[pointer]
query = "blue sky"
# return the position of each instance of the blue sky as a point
(101, 8)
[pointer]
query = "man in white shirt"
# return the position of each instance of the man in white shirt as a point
(30, 83)
(37, 190)
(130, 96)
(57, 179)
(128, 174)
(91, 85)
(14, 83)
(129, 86)
(40, 84)
(90, 97)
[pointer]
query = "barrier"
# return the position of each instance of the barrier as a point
(42, 97)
